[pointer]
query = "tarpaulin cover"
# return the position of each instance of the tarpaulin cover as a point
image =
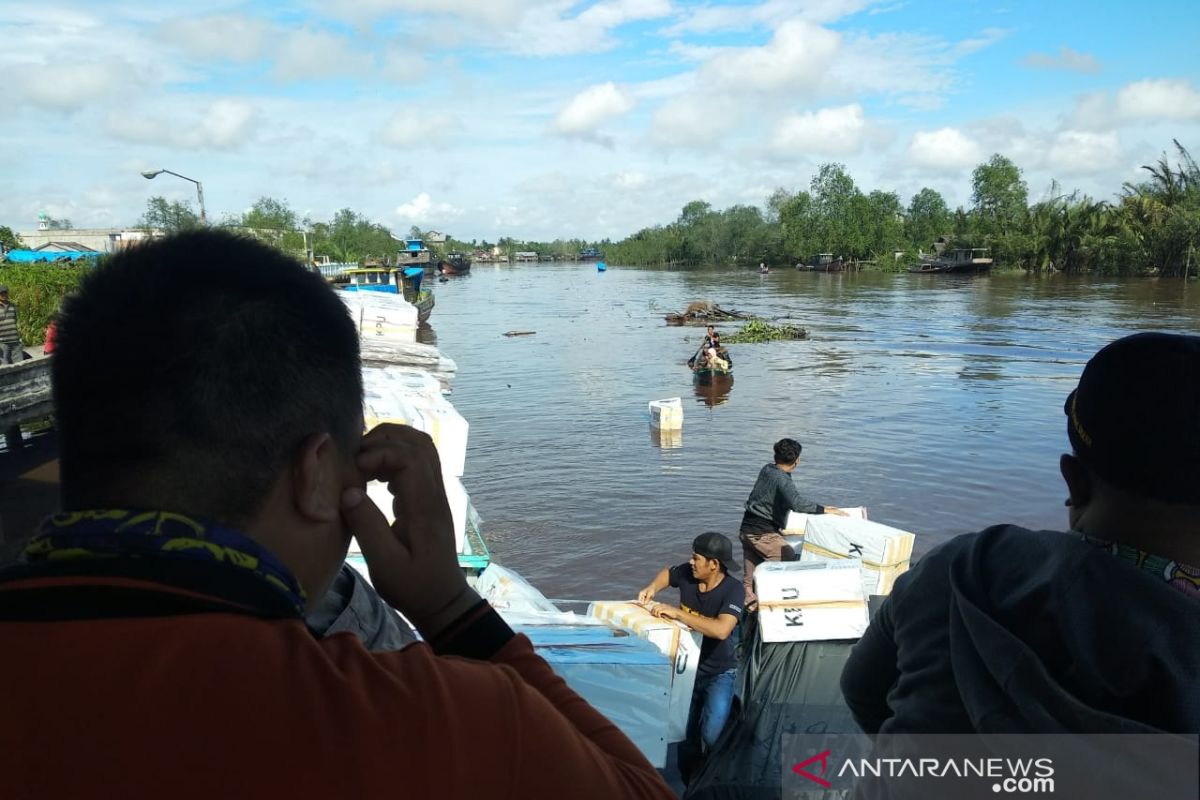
(33, 256)
(789, 687)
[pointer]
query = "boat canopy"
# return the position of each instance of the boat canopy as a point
(413, 275)
(414, 245)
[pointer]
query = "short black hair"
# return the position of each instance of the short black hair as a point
(189, 369)
(787, 451)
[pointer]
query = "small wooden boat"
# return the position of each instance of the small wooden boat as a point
(703, 371)
(712, 389)
(454, 264)
(763, 269)
(406, 282)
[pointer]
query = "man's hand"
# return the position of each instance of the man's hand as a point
(664, 611)
(647, 594)
(412, 562)
(836, 511)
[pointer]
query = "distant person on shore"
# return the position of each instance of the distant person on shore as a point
(710, 602)
(1092, 631)
(772, 499)
(11, 350)
(212, 476)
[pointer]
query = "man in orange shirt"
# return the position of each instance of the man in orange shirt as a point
(212, 475)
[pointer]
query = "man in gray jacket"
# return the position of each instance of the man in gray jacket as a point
(773, 497)
(1091, 631)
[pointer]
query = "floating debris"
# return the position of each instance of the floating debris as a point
(756, 331)
(704, 313)
(520, 333)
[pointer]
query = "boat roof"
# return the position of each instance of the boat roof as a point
(412, 272)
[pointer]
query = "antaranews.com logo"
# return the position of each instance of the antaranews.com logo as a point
(970, 766)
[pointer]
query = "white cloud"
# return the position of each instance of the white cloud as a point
(1158, 99)
(545, 31)
(490, 12)
(1066, 59)
(422, 209)
(828, 131)
(714, 18)
(693, 120)
(229, 36)
(946, 149)
(224, 124)
(1082, 152)
(797, 58)
(591, 108)
(408, 130)
(306, 54)
(985, 40)
(67, 86)
(629, 180)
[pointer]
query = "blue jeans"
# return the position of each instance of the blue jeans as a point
(11, 353)
(712, 698)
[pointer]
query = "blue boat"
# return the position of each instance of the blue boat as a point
(415, 254)
(406, 282)
(601, 266)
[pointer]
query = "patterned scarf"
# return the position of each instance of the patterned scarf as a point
(101, 534)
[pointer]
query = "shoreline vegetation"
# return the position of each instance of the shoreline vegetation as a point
(1150, 228)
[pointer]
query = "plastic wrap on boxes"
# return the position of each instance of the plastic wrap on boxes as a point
(667, 413)
(676, 642)
(382, 316)
(885, 551)
(796, 521)
(430, 413)
(624, 678)
(399, 380)
(803, 601)
(507, 591)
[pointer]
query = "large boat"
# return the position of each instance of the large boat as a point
(590, 254)
(965, 260)
(454, 264)
(415, 254)
(406, 282)
(825, 262)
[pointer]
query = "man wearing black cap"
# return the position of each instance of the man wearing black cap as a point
(1092, 631)
(710, 602)
(10, 337)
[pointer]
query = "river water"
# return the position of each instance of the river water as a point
(934, 400)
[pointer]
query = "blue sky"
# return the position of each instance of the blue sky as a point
(546, 118)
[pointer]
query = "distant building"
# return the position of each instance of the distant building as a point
(436, 237)
(100, 240)
(525, 255)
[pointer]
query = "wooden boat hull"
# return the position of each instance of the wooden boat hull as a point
(446, 268)
(708, 375)
(424, 306)
(712, 389)
(949, 269)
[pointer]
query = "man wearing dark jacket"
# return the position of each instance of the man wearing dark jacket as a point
(1091, 631)
(212, 477)
(773, 497)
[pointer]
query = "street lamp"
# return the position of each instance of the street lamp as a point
(151, 174)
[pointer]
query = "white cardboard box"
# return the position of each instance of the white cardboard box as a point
(803, 601)
(667, 413)
(456, 494)
(675, 641)
(885, 552)
(382, 316)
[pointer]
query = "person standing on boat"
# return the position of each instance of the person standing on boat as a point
(1093, 631)
(773, 497)
(156, 626)
(10, 337)
(710, 602)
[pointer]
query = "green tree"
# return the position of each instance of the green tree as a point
(267, 213)
(1163, 213)
(1001, 201)
(928, 218)
(9, 240)
(169, 217)
(840, 213)
(885, 224)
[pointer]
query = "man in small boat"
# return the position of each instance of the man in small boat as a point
(212, 477)
(710, 602)
(773, 497)
(1092, 631)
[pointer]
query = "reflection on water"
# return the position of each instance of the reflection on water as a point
(426, 334)
(713, 390)
(936, 401)
(668, 439)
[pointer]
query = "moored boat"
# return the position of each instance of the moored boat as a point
(964, 260)
(415, 254)
(406, 282)
(454, 264)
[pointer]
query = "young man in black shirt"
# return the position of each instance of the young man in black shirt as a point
(710, 602)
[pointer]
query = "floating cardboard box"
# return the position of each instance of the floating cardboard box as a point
(814, 601)
(667, 414)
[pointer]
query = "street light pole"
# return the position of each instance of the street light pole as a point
(151, 174)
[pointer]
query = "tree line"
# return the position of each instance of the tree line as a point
(1152, 226)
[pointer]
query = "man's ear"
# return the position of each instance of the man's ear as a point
(1079, 483)
(316, 485)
